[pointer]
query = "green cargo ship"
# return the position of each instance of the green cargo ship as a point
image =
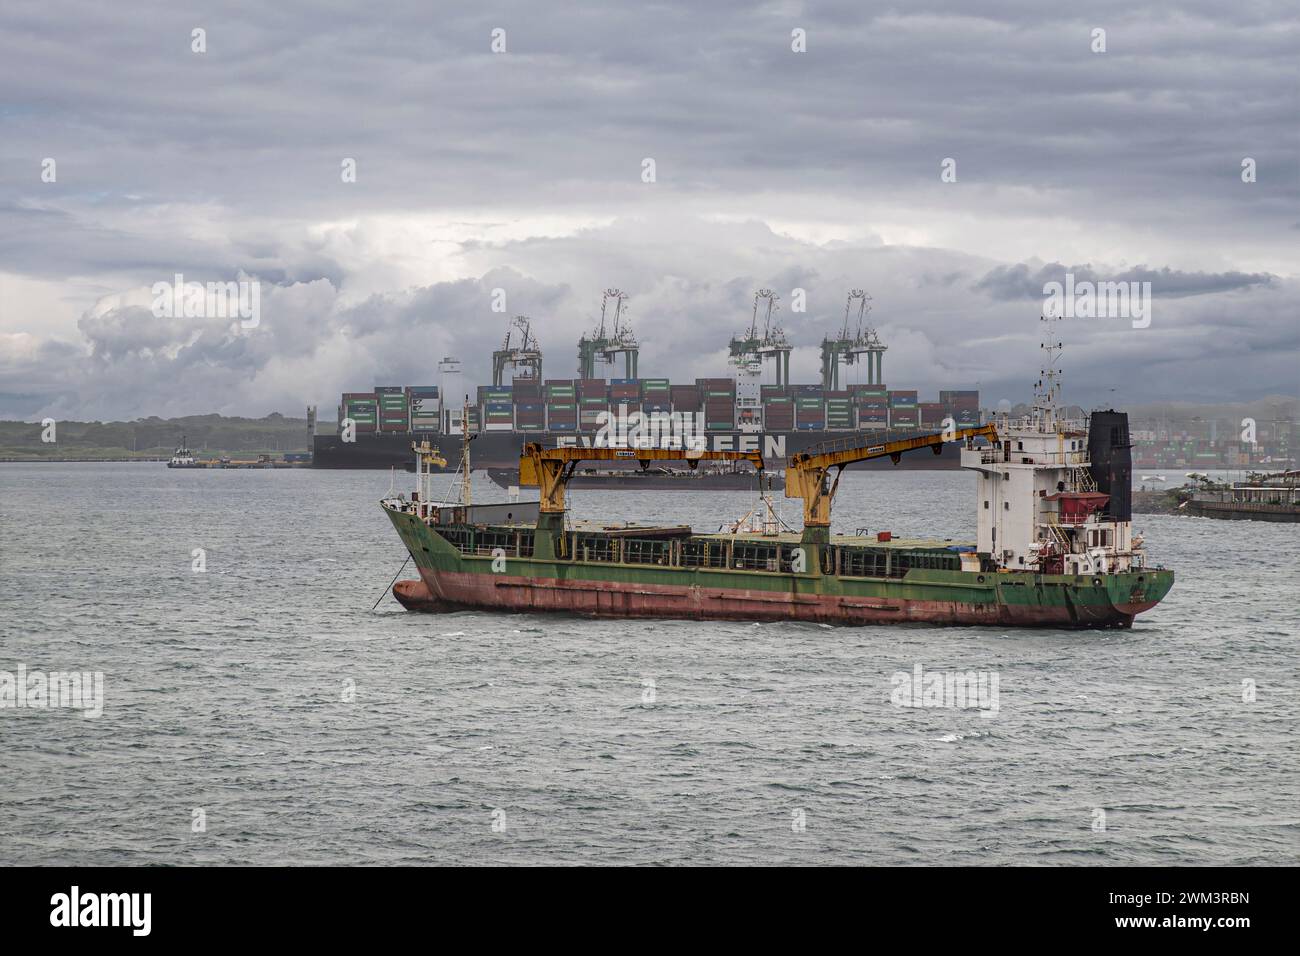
(1054, 543)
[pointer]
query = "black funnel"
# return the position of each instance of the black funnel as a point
(1110, 452)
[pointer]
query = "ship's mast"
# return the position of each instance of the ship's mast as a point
(466, 491)
(1047, 390)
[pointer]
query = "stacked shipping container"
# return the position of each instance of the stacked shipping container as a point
(931, 414)
(839, 411)
(589, 413)
(497, 405)
(778, 409)
(656, 395)
(425, 408)
(530, 412)
(394, 415)
(903, 413)
(624, 391)
(964, 406)
(809, 409)
(561, 405)
(872, 406)
(591, 388)
(719, 395)
(686, 398)
(362, 408)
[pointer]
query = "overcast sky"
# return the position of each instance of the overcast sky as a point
(523, 170)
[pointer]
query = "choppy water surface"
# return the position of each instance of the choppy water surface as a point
(763, 743)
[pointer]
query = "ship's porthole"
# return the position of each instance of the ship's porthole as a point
(1096, 582)
(1141, 579)
(980, 579)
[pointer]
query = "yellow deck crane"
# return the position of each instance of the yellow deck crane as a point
(549, 470)
(807, 472)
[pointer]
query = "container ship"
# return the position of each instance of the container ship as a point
(1054, 543)
(657, 479)
(734, 413)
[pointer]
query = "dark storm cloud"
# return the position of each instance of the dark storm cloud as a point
(228, 161)
(1011, 90)
(1022, 281)
(311, 343)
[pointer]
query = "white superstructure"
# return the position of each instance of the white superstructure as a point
(182, 457)
(749, 395)
(1038, 504)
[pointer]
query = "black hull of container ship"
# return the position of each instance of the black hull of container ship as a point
(501, 449)
(625, 479)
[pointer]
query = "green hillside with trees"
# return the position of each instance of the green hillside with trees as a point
(206, 435)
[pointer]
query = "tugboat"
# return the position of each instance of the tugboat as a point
(182, 457)
(1054, 544)
(1261, 497)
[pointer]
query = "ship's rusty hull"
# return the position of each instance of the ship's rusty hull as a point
(443, 591)
(464, 574)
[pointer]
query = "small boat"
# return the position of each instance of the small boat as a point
(1153, 477)
(182, 457)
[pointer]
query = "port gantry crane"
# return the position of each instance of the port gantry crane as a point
(848, 347)
(754, 349)
(606, 348)
(807, 472)
(866, 341)
(526, 353)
